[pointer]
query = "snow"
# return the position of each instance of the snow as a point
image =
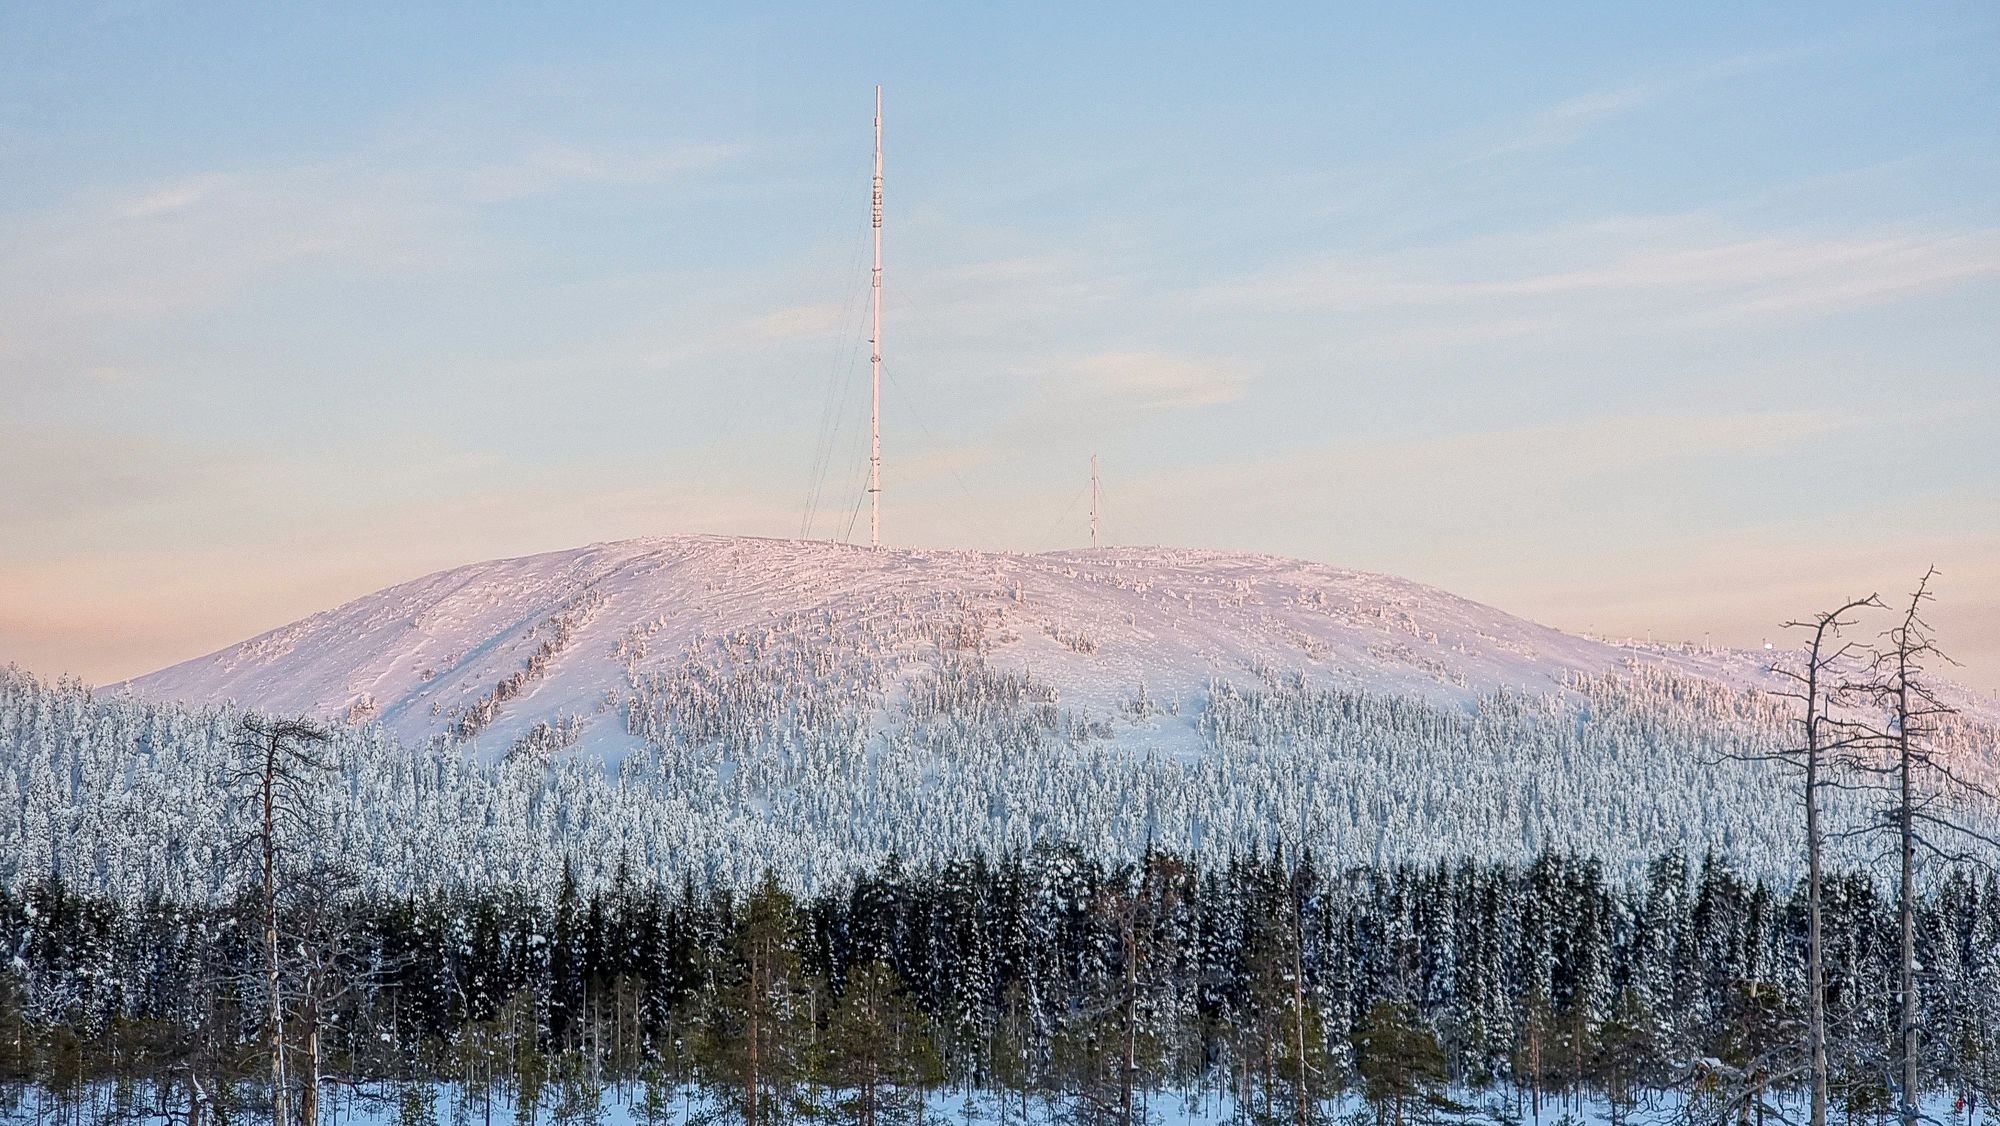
(1096, 625)
(725, 707)
(380, 1104)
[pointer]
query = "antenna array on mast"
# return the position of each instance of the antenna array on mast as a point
(1093, 500)
(875, 349)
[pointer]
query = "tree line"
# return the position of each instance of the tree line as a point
(1038, 983)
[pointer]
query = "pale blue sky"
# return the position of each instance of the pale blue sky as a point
(1682, 323)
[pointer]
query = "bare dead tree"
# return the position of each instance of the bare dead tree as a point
(1824, 741)
(278, 759)
(321, 928)
(1921, 784)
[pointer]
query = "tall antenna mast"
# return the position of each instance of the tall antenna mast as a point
(1093, 500)
(875, 350)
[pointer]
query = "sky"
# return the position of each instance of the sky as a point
(1677, 323)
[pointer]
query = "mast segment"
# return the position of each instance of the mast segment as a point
(1093, 500)
(875, 349)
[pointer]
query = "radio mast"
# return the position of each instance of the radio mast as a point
(1093, 500)
(875, 350)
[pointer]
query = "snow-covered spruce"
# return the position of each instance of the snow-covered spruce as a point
(1049, 982)
(758, 755)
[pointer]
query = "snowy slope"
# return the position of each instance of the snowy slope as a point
(805, 708)
(1095, 625)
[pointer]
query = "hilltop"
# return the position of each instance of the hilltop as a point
(489, 651)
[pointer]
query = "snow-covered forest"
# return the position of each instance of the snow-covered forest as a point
(748, 770)
(1031, 985)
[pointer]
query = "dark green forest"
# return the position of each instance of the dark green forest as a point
(1046, 983)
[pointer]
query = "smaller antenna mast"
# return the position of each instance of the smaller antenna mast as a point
(1093, 500)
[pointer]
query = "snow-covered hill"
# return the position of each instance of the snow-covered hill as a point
(492, 650)
(724, 707)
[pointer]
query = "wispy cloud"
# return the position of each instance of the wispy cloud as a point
(1479, 461)
(550, 165)
(1568, 120)
(1624, 441)
(189, 242)
(1149, 381)
(1669, 271)
(1573, 118)
(170, 196)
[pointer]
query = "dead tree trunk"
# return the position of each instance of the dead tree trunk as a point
(309, 1097)
(1920, 781)
(1820, 736)
(274, 1016)
(1906, 908)
(275, 767)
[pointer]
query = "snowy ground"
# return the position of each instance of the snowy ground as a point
(387, 1105)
